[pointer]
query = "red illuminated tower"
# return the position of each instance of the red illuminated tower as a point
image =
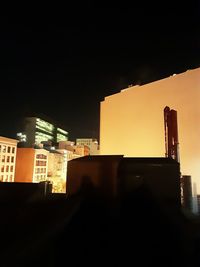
(171, 134)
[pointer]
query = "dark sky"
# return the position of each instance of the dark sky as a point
(63, 62)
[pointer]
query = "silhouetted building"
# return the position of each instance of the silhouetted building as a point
(24, 192)
(198, 204)
(186, 192)
(114, 176)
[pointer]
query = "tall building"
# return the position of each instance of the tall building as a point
(36, 130)
(92, 143)
(8, 149)
(132, 121)
(31, 165)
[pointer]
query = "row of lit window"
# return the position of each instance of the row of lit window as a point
(40, 170)
(8, 150)
(61, 137)
(41, 163)
(41, 156)
(62, 131)
(6, 178)
(44, 125)
(6, 159)
(7, 168)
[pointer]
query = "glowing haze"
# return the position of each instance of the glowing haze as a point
(132, 121)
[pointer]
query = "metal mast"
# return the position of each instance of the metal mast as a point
(171, 133)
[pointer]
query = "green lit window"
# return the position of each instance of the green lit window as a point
(39, 137)
(61, 137)
(45, 126)
(62, 131)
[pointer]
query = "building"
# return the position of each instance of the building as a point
(198, 204)
(115, 175)
(57, 170)
(186, 192)
(74, 151)
(31, 165)
(92, 143)
(36, 130)
(132, 121)
(8, 149)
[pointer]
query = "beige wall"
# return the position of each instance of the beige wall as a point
(132, 121)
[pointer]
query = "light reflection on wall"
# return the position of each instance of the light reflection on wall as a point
(132, 123)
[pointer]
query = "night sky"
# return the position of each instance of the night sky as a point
(63, 62)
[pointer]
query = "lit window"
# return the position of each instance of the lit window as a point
(45, 126)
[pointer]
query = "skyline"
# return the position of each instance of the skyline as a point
(64, 66)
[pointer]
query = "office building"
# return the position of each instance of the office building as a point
(8, 149)
(36, 131)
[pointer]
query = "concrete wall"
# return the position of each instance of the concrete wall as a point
(132, 121)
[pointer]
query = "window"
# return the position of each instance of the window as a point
(13, 150)
(11, 168)
(2, 169)
(8, 159)
(8, 149)
(7, 168)
(12, 159)
(3, 158)
(4, 149)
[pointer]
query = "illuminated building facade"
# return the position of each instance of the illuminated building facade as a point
(57, 170)
(135, 117)
(31, 165)
(8, 149)
(37, 130)
(92, 143)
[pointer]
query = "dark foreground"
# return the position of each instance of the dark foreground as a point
(92, 231)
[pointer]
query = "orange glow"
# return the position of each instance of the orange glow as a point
(132, 122)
